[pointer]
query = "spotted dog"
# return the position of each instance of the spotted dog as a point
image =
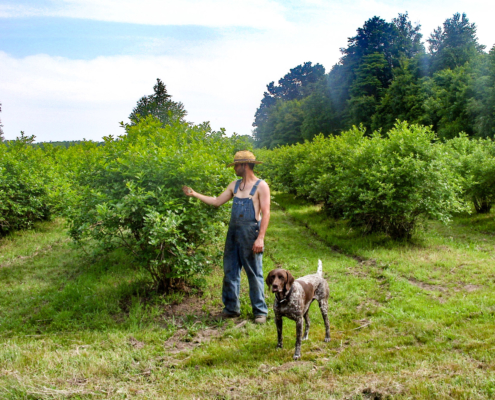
(293, 298)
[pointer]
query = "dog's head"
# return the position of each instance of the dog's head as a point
(279, 280)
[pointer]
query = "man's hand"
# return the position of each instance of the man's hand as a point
(187, 191)
(258, 245)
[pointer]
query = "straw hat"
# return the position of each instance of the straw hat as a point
(244, 156)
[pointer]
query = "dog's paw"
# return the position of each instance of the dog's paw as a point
(296, 357)
(280, 346)
(327, 339)
(305, 337)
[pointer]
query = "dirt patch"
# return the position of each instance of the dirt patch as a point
(356, 272)
(191, 305)
(136, 343)
(471, 288)
(367, 305)
(376, 389)
(438, 288)
(184, 340)
(427, 286)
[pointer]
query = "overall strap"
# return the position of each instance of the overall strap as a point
(237, 183)
(253, 190)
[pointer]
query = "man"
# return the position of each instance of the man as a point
(245, 237)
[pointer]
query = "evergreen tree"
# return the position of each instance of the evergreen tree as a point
(158, 104)
(295, 85)
(318, 113)
(365, 69)
(403, 99)
(373, 76)
(481, 93)
(454, 44)
(445, 103)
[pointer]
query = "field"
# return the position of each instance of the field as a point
(408, 319)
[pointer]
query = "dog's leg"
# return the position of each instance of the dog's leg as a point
(299, 332)
(324, 312)
(306, 327)
(279, 323)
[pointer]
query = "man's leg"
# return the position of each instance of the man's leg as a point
(253, 265)
(232, 276)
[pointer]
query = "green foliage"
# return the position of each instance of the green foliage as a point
(279, 166)
(31, 187)
(295, 85)
(390, 184)
(131, 196)
(380, 184)
(445, 104)
(474, 161)
(385, 75)
(319, 115)
(404, 98)
(455, 44)
(160, 105)
(481, 92)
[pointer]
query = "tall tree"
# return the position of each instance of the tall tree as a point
(297, 84)
(158, 104)
(481, 92)
(445, 104)
(404, 98)
(373, 76)
(318, 113)
(454, 44)
(365, 68)
(408, 41)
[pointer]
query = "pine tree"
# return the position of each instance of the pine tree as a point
(158, 104)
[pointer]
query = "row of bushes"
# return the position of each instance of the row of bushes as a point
(131, 196)
(387, 183)
(127, 193)
(33, 187)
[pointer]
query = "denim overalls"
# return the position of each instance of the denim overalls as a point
(242, 233)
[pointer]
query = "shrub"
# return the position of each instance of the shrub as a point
(131, 197)
(30, 187)
(474, 161)
(325, 156)
(279, 167)
(390, 184)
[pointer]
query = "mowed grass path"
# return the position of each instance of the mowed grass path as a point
(408, 320)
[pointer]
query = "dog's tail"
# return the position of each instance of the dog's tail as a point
(320, 269)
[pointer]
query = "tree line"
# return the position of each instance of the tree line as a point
(386, 74)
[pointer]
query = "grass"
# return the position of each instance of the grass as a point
(408, 320)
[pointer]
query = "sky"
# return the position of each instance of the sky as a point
(73, 69)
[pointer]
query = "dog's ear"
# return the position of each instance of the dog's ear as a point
(289, 281)
(270, 278)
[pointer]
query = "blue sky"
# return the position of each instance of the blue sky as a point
(72, 69)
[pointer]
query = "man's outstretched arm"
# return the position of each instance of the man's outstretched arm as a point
(212, 201)
(264, 193)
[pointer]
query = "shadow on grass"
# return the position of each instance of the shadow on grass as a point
(65, 290)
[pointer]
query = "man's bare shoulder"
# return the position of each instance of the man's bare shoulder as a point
(231, 186)
(263, 186)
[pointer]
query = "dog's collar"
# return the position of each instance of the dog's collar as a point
(284, 300)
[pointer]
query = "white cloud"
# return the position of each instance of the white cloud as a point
(223, 82)
(263, 14)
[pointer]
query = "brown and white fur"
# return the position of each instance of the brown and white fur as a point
(293, 298)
